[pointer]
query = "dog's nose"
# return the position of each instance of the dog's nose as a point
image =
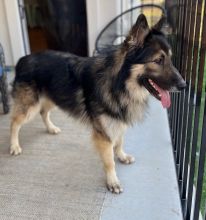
(182, 85)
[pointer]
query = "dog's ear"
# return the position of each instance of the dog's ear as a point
(138, 32)
(160, 23)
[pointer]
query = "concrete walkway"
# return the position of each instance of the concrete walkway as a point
(61, 177)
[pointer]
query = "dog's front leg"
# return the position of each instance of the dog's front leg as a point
(122, 156)
(105, 148)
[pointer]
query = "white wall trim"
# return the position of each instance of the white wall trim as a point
(92, 23)
(99, 14)
(4, 35)
(14, 27)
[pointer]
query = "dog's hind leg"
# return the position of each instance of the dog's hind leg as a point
(105, 148)
(122, 156)
(46, 107)
(21, 115)
(17, 122)
(26, 106)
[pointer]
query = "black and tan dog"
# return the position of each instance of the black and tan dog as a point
(109, 92)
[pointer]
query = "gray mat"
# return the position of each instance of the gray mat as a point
(56, 177)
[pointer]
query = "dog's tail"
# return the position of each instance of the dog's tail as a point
(24, 73)
(24, 66)
(24, 78)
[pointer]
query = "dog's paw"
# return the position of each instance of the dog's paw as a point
(127, 159)
(54, 130)
(15, 150)
(115, 187)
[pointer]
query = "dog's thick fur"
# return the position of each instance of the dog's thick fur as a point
(109, 91)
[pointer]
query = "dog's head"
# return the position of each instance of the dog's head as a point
(148, 51)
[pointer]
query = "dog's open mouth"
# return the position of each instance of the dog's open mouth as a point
(159, 93)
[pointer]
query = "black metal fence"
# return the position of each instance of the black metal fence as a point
(187, 115)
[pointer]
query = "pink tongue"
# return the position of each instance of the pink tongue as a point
(165, 97)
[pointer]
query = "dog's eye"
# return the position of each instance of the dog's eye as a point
(159, 61)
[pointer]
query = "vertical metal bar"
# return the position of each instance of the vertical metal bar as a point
(176, 118)
(201, 164)
(177, 60)
(178, 21)
(185, 100)
(189, 98)
(181, 96)
(198, 101)
(172, 117)
(179, 27)
(170, 110)
(196, 110)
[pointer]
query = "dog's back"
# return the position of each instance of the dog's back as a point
(52, 75)
(41, 68)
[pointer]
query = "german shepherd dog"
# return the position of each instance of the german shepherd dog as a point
(109, 92)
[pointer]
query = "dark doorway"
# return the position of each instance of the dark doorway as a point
(58, 25)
